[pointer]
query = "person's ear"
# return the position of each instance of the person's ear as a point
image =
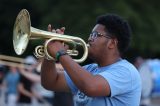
(113, 43)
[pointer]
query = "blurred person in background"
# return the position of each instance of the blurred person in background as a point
(1, 78)
(138, 61)
(45, 97)
(25, 85)
(11, 84)
(2, 87)
(146, 78)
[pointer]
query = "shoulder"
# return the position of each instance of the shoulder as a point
(128, 68)
(131, 73)
(121, 75)
(121, 70)
(125, 65)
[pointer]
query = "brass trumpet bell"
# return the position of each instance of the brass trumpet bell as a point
(23, 32)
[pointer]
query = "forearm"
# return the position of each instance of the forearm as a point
(27, 93)
(31, 76)
(48, 74)
(81, 78)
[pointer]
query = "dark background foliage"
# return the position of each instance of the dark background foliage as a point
(78, 16)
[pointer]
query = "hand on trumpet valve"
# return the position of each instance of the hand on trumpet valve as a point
(59, 31)
(56, 45)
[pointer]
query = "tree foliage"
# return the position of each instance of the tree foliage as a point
(78, 16)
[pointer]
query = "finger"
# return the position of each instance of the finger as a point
(53, 30)
(49, 27)
(66, 46)
(58, 31)
(62, 29)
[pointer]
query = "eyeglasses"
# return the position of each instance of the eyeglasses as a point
(96, 34)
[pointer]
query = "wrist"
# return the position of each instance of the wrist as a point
(59, 54)
(49, 61)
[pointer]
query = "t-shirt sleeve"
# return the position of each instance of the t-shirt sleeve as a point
(119, 79)
(70, 83)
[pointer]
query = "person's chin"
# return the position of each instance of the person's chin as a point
(89, 51)
(91, 57)
(90, 54)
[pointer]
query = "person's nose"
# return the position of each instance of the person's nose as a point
(90, 39)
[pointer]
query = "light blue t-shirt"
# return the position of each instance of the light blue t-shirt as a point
(124, 81)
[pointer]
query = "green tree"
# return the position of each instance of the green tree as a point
(78, 16)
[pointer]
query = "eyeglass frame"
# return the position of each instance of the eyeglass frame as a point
(98, 34)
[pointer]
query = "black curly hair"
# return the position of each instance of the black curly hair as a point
(117, 27)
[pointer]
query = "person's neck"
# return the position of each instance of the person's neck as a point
(108, 60)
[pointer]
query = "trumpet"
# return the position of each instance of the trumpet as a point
(13, 61)
(23, 32)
